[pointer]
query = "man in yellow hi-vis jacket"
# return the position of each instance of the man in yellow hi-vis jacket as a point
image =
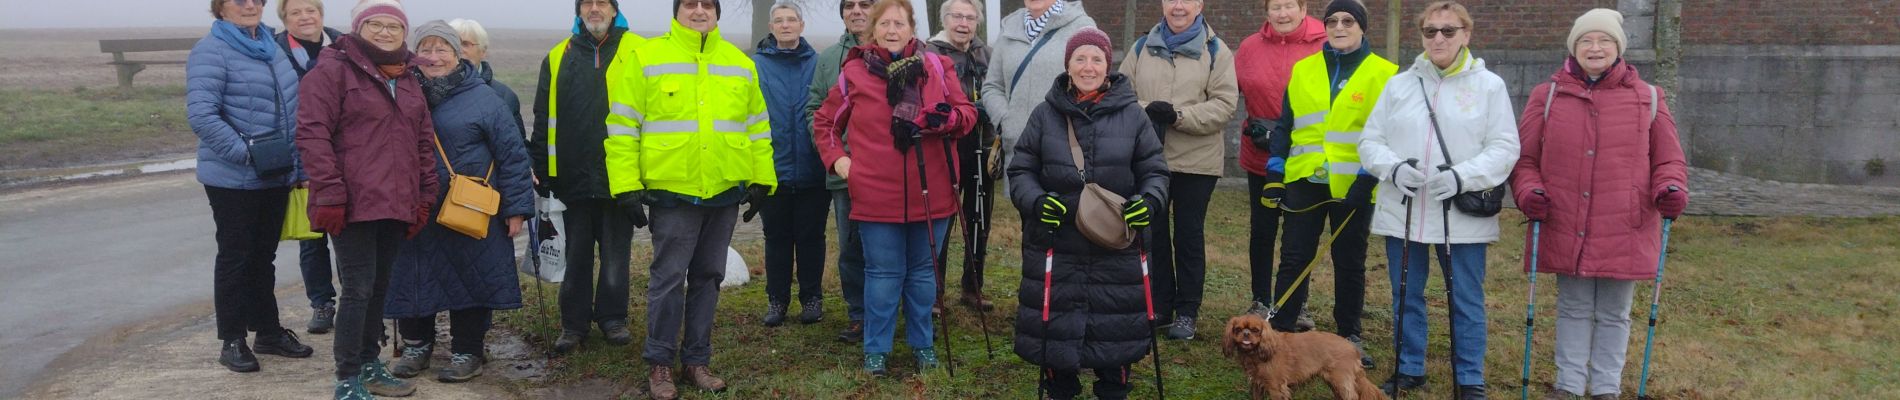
(688, 136)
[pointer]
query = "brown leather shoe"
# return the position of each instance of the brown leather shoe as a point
(701, 376)
(660, 384)
(975, 300)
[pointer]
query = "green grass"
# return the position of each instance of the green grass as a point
(1779, 308)
(47, 128)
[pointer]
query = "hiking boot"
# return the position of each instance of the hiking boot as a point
(352, 389)
(852, 333)
(377, 379)
(462, 368)
(283, 344)
(1400, 382)
(814, 312)
(1260, 309)
(322, 320)
(1305, 323)
(1606, 396)
(1471, 392)
(874, 364)
(702, 377)
(237, 356)
(616, 333)
(568, 341)
(415, 359)
(976, 301)
(1365, 361)
(926, 358)
(1183, 328)
(660, 384)
(775, 314)
(1559, 394)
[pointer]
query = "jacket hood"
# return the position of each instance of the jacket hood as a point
(1121, 93)
(1310, 30)
(1620, 75)
(471, 80)
(768, 47)
(1071, 12)
(1156, 42)
(692, 40)
(1422, 66)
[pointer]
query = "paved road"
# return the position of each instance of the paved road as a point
(81, 261)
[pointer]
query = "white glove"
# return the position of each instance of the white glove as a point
(1408, 179)
(1443, 185)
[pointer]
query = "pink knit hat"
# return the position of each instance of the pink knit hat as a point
(1090, 36)
(367, 9)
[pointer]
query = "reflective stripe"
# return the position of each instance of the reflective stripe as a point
(1351, 138)
(728, 70)
(628, 111)
(1302, 150)
(1304, 121)
(729, 126)
(553, 122)
(671, 126)
(1343, 168)
(620, 130)
(761, 136)
(667, 69)
(550, 152)
(756, 119)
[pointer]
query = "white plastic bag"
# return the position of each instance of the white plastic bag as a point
(736, 272)
(549, 253)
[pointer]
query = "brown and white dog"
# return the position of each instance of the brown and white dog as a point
(1273, 361)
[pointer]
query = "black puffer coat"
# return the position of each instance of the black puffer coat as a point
(1098, 315)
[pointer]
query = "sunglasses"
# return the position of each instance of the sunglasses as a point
(1448, 32)
(1343, 22)
(699, 4)
(862, 5)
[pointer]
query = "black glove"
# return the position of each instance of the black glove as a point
(1138, 213)
(1273, 194)
(1259, 134)
(982, 116)
(754, 196)
(1162, 114)
(904, 134)
(937, 116)
(1360, 194)
(1050, 210)
(630, 203)
(545, 188)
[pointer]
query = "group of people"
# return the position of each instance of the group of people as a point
(678, 132)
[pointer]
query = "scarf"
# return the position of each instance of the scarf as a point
(1174, 39)
(903, 74)
(393, 64)
(1463, 60)
(1035, 25)
(1576, 70)
(259, 47)
(438, 90)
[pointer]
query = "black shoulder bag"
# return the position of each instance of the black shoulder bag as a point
(1483, 203)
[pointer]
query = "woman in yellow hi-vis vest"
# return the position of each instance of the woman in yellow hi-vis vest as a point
(1316, 167)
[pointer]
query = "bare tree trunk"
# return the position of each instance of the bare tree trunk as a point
(761, 22)
(934, 9)
(1394, 12)
(1129, 25)
(1669, 58)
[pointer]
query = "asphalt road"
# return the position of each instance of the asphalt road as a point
(82, 261)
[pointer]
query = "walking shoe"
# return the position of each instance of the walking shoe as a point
(462, 367)
(814, 312)
(616, 333)
(975, 300)
(1260, 309)
(415, 359)
(283, 344)
(1400, 382)
(568, 341)
(1472, 392)
(852, 333)
(874, 364)
(322, 320)
(1559, 394)
(775, 314)
(237, 356)
(1183, 328)
(1365, 361)
(1304, 323)
(1606, 396)
(377, 379)
(926, 358)
(352, 389)
(660, 384)
(702, 377)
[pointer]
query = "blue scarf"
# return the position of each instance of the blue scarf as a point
(262, 47)
(1175, 40)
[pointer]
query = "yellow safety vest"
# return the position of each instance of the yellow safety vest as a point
(1326, 128)
(628, 41)
(688, 118)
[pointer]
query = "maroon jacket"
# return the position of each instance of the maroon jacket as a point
(1602, 160)
(363, 148)
(883, 179)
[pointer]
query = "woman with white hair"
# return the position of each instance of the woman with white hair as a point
(475, 51)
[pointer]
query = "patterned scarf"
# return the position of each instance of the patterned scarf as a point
(903, 74)
(1036, 24)
(439, 89)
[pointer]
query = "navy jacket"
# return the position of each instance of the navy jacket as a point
(784, 76)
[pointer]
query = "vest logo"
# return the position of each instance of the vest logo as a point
(1359, 97)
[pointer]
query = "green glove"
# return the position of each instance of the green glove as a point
(1138, 213)
(1050, 209)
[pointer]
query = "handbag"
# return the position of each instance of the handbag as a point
(1483, 203)
(1099, 215)
(271, 155)
(470, 203)
(296, 220)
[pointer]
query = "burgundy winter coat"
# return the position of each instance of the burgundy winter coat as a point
(883, 180)
(1602, 160)
(363, 148)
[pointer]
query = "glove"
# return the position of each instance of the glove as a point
(629, 203)
(1273, 194)
(1138, 213)
(1360, 194)
(545, 188)
(1162, 114)
(328, 219)
(754, 196)
(904, 134)
(938, 116)
(1535, 206)
(1050, 210)
(1444, 185)
(982, 116)
(1671, 201)
(1259, 134)
(423, 212)
(1407, 178)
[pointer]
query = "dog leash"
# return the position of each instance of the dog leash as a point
(1275, 309)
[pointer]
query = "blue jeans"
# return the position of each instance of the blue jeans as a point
(897, 270)
(850, 256)
(314, 259)
(1464, 270)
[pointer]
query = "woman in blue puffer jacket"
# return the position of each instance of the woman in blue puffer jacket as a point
(241, 99)
(795, 216)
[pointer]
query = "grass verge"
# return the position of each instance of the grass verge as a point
(52, 128)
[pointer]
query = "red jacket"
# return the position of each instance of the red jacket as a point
(1602, 160)
(363, 148)
(1264, 63)
(882, 179)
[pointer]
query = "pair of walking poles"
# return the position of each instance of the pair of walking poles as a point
(1148, 299)
(1655, 301)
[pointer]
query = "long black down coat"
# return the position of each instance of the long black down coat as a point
(1098, 316)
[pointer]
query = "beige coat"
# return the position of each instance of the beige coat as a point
(1202, 90)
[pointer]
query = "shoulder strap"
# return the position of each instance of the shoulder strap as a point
(1549, 95)
(451, 166)
(1030, 56)
(1433, 115)
(1652, 102)
(1075, 148)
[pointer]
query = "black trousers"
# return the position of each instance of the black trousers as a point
(467, 329)
(795, 244)
(595, 224)
(1110, 383)
(1264, 229)
(248, 225)
(365, 253)
(978, 198)
(1180, 246)
(1300, 245)
(313, 257)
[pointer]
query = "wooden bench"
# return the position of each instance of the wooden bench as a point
(128, 68)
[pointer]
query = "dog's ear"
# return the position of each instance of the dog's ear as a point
(1228, 344)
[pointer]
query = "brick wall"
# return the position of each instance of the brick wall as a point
(1814, 22)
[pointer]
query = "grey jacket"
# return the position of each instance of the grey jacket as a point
(1009, 106)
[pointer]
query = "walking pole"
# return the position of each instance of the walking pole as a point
(1444, 261)
(534, 257)
(1148, 297)
(973, 230)
(1048, 274)
(930, 226)
(1405, 276)
(1655, 299)
(1530, 309)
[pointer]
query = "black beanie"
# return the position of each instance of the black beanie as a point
(719, 11)
(1358, 11)
(577, 6)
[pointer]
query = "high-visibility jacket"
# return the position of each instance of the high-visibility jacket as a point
(688, 118)
(1326, 128)
(628, 41)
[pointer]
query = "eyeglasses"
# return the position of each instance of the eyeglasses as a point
(861, 5)
(961, 17)
(1587, 43)
(700, 4)
(246, 3)
(1180, 2)
(1448, 32)
(374, 27)
(1347, 22)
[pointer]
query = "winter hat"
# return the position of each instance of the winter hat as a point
(718, 10)
(577, 6)
(1599, 20)
(367, 9)
(436, 28)
(1090, 36)
(1351, 7)
(580, 25)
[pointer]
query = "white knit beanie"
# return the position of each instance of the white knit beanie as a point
(1599, 20)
